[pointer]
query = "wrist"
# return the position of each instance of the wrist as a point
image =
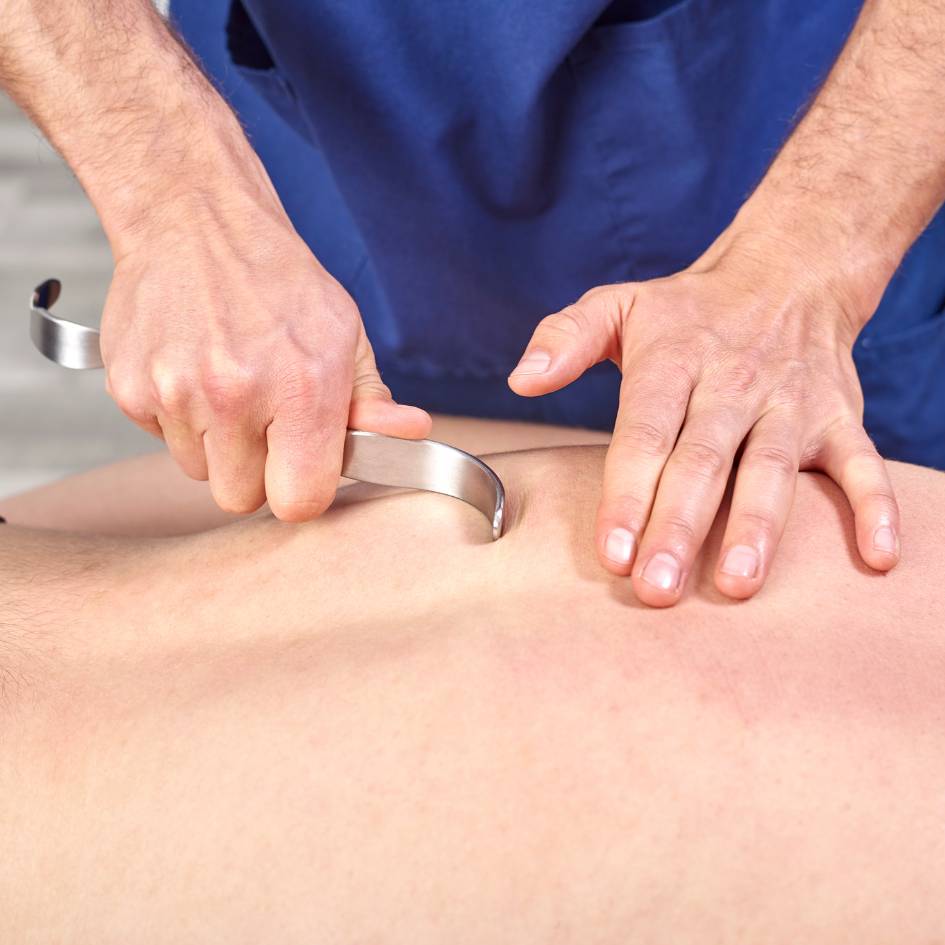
(206, 179)
(163, 143)
(813, 245)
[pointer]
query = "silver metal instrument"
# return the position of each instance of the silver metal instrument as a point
(368, 457)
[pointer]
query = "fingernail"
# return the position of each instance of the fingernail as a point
(662, 571)
(884, 539)
(534, 362)
(619, 545)
(740, 561)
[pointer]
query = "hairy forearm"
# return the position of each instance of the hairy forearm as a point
(864, 171)
(122, 100)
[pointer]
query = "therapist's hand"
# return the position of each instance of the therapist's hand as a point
(231, 342)
(751, 345)
(222, 333)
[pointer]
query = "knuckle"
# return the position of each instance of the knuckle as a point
(171, 391)
(137, 411)
(131, 398)
(677, 366)
(842, 428)
(301, 382)
(369, 384)
(610, 302)
(597, 293)
(741, 373)
(571, 322)
(645, 437)
(681, 369)
(861, 459)
(864, 451)
(701, 458)
(882, 496)
(757, 522)
(680, 529)
(741, 379)
(772, 459)
(228, 392)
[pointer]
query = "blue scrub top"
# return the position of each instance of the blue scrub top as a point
(465, 168)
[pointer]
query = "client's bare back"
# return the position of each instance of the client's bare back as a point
(429, 737)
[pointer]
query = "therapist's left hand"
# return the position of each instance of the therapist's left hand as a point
(750, 347)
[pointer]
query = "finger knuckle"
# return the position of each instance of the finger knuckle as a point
(758, 522)
(777, 460)
(131, 398)
(228, 392)
(369, 384)
(297, 392)
(866, 450)
(570, 322)
(612, 303)
(305, 379)
(676, 366)
(171, 390)
(598, 293)
(645, 437)
(679, 528)
(701, 458)
(137, 410)
(681, 369)
(742, 377)
(861, 459)
(842, 427)
(881, 496)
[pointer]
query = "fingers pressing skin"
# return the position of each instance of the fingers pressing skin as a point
(236, 462)
(305, 446)
(174, 398)
(761, 503)
(186, 446)
(740, 345)
(652, 407)
(687, 501)
(234, 439)
(850, 459)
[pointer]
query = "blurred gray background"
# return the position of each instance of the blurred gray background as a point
(52, 421)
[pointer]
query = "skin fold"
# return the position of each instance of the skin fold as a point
(381, 726)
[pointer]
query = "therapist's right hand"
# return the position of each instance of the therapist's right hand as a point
(223, 335)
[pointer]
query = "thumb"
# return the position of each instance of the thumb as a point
(569, 342)
(372, 406)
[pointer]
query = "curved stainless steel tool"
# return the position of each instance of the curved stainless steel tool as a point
(368, 457)
(67, 343)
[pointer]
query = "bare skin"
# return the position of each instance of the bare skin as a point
(383, 727)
